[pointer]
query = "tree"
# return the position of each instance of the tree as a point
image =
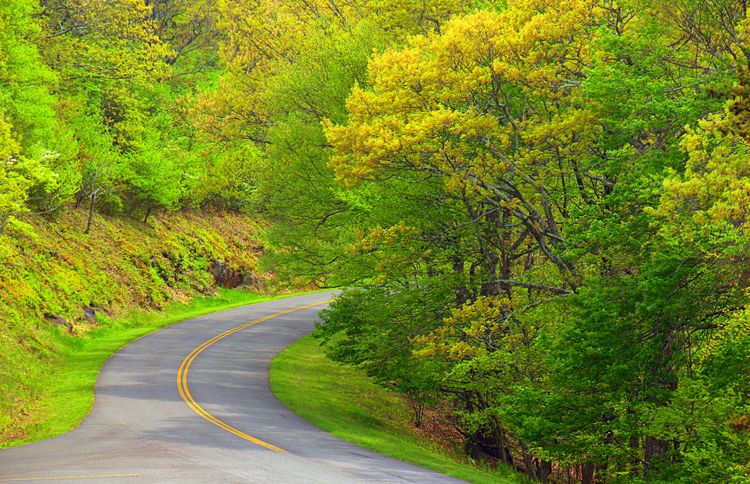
(18, 175)
(102, 164)
(156, 178)
(352, 333)
(505, 150)
(25, 82)
(545, 131)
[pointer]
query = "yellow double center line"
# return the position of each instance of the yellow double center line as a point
(182, 376)
(60, 478)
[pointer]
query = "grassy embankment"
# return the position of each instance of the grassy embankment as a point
(345, 402)
(69, 299)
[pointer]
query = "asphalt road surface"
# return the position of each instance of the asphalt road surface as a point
(217, 421)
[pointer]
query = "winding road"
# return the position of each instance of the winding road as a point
(191, 403)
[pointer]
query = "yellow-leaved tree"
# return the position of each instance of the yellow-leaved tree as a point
(489, 106)
(490, 112)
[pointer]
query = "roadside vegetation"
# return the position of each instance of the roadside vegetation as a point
(66, 389)
(58, 289)
(347, 403)
(540, 206)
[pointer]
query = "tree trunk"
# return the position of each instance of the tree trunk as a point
(655, 450)
(416, 401)
(92, 198)
(505, 454)
(462, 293)
(148, 213)
(635, 446)
(543, 470)
(527, 462)
(587, 473)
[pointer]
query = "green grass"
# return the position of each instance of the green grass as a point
(69, 388)
(343, 401)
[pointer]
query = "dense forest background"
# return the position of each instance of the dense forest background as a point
(540, 206)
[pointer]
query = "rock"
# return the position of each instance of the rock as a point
(224, 276)
(253, 280)
(59, 321)
(106, 308)
(229, 278)
(89, 314)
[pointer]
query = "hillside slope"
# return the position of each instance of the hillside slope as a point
(57, 283)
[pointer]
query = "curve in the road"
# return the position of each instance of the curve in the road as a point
(141, 429)
(184, 388)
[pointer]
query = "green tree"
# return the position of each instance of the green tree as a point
(18, 175)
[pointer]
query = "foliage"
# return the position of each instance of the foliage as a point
(540, 207)
(596, 245)
(53, 272)
(344, 401)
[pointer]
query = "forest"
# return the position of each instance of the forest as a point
(538, 210)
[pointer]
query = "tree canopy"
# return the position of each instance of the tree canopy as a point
(538, 208)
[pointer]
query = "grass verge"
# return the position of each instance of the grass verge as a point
(69, 388)
(345, 402)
